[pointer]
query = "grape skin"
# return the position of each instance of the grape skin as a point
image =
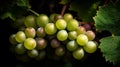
(72, 45)
(82, 39)
(78, 54)
(61, 24)
(20, 36)
(62, 35)
(50, 29)
(90, 47)
(30, 43)
(72, 25)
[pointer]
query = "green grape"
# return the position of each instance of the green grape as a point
(29, 21)
(67, 17)
(81, 30)
(20, 49)
(51, 17)
(82, 39)
(32, 53)
(50, 29)
(42, 20)
(12, 39)
(72, 45)
(72, 25)
(55, 43)
(90, 47)
(29, 43)
(61, 24)
(41, 43)
(78, 53)
(60, 51)
(30, 32)
(20, 36)
(62, 35)
(41, 32)
(90, 34)
(72, 35)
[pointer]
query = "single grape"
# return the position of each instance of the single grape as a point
(82, 39)
(41, 43)
(81, 30)
(32, 53)
(90, 47)
(51, 17)
(50, 29)
(87, 26)
(29, 43)
(20, 49)
(60, 51)
(90, 34)
(42, 20)
(61, 24)
(57, 16)
(72, 35)
(72, 45)
(55, 43)
(78, 53)
(62, 35)
(30, 21)
(12, 39)
(67, 17)
(41, 32)
(20, 36)
(30, 32)
(72, 25)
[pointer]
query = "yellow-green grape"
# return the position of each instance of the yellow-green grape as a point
(82, 39)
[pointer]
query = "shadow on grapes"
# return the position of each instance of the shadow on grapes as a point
(7, 58)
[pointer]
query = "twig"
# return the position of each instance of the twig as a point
(63, 9)
(33, 12)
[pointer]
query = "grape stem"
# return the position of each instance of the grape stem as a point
(65, 7)
(63, 10)
(33, 12)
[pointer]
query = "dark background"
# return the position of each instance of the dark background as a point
(8, 59)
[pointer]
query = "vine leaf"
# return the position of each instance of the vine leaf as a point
(86, 9)
(23, 3)
(110, 47)
(16, 8)
(108, 18)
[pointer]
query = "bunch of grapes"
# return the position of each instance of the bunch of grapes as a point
(51, 37)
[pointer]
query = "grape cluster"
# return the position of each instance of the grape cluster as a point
(53, 36)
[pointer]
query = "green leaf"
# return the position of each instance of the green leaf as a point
(23, 3)
(64, 1)
(14, 9)
(108, 18)
(86, 9)
(8, 15)
(110, 47)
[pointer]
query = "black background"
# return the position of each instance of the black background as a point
(8, 59)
